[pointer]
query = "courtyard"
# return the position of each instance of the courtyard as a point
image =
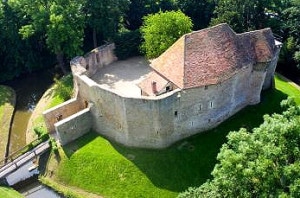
(122, 77)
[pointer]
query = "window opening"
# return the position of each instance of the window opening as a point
(168, 88)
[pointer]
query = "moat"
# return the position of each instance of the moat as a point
(29, 89)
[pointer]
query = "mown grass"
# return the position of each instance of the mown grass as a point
(112, 170)
(6, 192)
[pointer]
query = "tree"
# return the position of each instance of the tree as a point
(59, 23)
(161, 30)
(16, 55)
(133, 18)
(65, 30)
(291, 17)
(200, 12)
(244, 15)
(261, 163)
(103, 17)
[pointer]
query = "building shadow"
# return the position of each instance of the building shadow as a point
(72, 147)
(189, 162)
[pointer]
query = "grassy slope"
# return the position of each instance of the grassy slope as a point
(9, 193)
(7, 103)
(50, 99)
(112, 170)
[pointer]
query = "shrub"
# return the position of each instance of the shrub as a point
(40, 131)
(64, 87)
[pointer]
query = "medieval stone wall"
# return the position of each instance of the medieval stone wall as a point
(74, 126)
(157, 122)
(269, 80)
(61, 112)
(99, 57)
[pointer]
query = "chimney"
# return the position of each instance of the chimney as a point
(154, 88)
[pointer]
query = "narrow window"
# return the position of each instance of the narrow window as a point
(175, 113)
(211, 104)
(97, 58)
(205, 87)
(200, 107)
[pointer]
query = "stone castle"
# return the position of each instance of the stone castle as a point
(204, 78)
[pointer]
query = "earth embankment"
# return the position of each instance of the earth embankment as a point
(7, 106)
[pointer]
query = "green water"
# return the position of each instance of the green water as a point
(29, 90)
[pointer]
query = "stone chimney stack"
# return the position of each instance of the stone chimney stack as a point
(154, 88)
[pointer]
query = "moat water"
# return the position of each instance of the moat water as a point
(29, 89)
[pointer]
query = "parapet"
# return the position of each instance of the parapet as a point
(92, 61)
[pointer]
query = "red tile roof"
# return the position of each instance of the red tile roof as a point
(146, 84)
(211, 55)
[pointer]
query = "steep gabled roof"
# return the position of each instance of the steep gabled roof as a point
(211, 55)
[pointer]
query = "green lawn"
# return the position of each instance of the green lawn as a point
(109, 169)
(6, 192)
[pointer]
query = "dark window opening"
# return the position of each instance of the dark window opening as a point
(58, 117)
(211, 104)
(175, 113)
(97, 58)
(205, 87)
(168, 88)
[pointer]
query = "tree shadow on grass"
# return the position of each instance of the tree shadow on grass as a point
(190, 162)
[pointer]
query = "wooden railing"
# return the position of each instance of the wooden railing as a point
(21, 151)
(19, 161)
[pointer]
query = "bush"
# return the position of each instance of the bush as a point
(40, 131)
(54, 147)
(64, 87)
(127, 44)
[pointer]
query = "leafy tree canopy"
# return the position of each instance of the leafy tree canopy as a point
(133, 18)
(291, 17)
(245, 15)
(103, 17)
(162, 29)
(200, 12)
(261, 163)
(60, 21)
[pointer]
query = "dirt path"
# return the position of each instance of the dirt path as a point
(7, 104)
